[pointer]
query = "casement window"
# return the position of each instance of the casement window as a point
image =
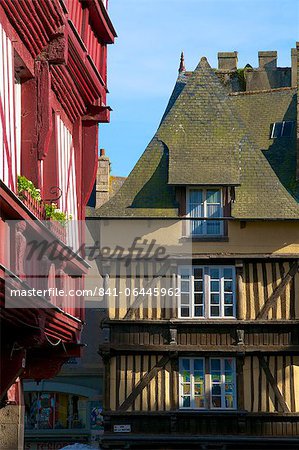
(207, 383)
(207, 292)
(10, 114)
(206, 203)
(282, 129)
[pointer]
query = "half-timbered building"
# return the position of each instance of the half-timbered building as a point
(53, 87)
(201, 344)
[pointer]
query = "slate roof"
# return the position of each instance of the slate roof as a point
(208, 136)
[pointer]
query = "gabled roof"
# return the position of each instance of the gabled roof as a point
(210, 137)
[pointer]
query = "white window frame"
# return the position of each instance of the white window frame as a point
(222, 363)
(206, 292)
(205, 215)
(207, 384)
(192, 383)
(282, 128)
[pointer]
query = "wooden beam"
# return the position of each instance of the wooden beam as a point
(278, 291)
(140, 298)
(215, 349)
(273, 384)
(144, 381)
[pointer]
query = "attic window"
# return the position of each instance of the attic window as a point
(282, 129)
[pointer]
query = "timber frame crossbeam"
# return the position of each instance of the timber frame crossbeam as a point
(278, 291)
(273, 384)
(145, 380)
(163, 270)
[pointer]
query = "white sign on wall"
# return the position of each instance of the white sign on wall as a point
(122, 428)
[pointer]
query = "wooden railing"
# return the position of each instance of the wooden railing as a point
(38, 209)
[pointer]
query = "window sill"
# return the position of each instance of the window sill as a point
(204, 238)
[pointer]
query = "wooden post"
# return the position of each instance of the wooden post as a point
(240, 382)
(240, 296)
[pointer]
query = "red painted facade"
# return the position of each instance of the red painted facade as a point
(53, 72)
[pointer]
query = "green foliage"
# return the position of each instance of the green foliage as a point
(52, 212)
(26, 185)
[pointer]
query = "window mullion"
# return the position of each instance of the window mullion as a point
(208, 384)
(222, 383)
(191, 295)
(221, 284)
(192, 402)
(206, 279)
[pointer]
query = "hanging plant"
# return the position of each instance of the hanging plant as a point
(25, 185)
(54, 213)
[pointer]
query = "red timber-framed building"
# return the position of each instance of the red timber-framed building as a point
(53, 86)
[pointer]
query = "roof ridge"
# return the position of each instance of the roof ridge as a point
(262, 91)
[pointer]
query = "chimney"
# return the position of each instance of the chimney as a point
(103, 179)
(268, 60)
(227, 60)
(294, 67)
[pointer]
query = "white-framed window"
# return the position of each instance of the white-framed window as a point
(206, 203)
(207, 383)
(282, 129)
(207, 292)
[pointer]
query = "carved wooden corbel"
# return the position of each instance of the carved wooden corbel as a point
(21, 244)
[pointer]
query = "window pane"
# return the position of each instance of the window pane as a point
(229, 388)
(198, 299)
(213, 196)
(185, 299)
(228, 377)
(228, 299)
(185, 364)
(229, 401)
(215, 299)
(228, 286)
(198, 286)
(197, 226)
(214, 274)
(185, 376)
(228, 311)
(198, 389)
(215, 311)
(228, 364)
(185, 286)
(186, 389)
(216, 402)
(198, 364)
(228, 273)
(287, 129)
(216, 389)
(277, 129)
(215, 286)
(198, 377)
(213, 211)
(215, 364)
(213, 228)
(198, 273)
(185, 312)
(199, 402)
(198, 311)
(186, 402)
(195, 196)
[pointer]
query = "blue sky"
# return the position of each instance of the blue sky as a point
(143, 63)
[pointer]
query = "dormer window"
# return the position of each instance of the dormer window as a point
(208, 204)
(282, 129)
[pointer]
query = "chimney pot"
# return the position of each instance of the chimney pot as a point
(227, 60)
(267, 60)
